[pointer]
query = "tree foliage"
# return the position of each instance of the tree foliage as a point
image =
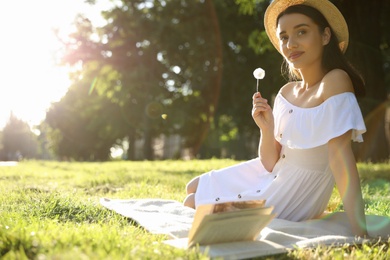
(149, 61)
(18, 141)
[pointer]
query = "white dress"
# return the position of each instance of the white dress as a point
(301, 183)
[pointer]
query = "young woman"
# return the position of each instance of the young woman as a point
(305, 140)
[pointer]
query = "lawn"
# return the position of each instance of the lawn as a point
(51, 210)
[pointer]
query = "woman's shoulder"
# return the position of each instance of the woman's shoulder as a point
(288, 87)
(335, 82)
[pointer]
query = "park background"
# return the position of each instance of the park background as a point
(173, 79)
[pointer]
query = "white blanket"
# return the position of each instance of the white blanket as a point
(172, 218)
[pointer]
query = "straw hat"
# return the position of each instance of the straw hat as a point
(328, 10)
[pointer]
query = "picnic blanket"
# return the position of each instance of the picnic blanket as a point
(172, 218)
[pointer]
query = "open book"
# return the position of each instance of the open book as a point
(229, 222)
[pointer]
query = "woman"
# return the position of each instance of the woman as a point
(305, 140)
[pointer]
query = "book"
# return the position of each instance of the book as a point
(229, 222)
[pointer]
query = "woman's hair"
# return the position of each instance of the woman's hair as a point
(332, 57)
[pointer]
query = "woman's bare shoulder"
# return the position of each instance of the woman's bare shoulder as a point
(288, 88)
(335, 82)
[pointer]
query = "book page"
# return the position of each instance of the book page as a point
(238, 205)
(234, 250)
(226, 210)
(214, 230)
(239, 213)
(243, 249)
(206, 209)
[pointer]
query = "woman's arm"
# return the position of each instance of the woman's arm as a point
(343, 166)
(269, 148)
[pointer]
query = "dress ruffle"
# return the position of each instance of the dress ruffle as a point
(312, 127)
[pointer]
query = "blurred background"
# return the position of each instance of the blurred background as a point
(160, 79)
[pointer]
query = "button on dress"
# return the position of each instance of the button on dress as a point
(301, 183)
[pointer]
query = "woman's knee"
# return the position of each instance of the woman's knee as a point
(189, 201)
(192, 185)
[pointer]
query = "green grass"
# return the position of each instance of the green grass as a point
(51, 210)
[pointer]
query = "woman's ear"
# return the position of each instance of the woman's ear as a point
(326, 36)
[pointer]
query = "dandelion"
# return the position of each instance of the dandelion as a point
(258, 73)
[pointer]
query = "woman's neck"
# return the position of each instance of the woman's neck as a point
(311, 77)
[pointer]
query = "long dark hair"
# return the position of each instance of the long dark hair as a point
(332, 57)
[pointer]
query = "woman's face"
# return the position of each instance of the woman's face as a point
(300, 40)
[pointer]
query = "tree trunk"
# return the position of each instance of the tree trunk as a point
(131, 149)
(215, 81)
(148, 149)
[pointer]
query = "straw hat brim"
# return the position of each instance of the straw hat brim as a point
(329, 11)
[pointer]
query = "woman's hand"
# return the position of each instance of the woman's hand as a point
(262, 113)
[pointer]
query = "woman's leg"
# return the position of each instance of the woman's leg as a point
(189, 201)
(191, 187)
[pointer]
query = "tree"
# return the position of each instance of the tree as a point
(83, 123)
(234, 126)
(18, 141)
(145, 63)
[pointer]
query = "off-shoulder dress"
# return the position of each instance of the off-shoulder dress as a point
(301, 183)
